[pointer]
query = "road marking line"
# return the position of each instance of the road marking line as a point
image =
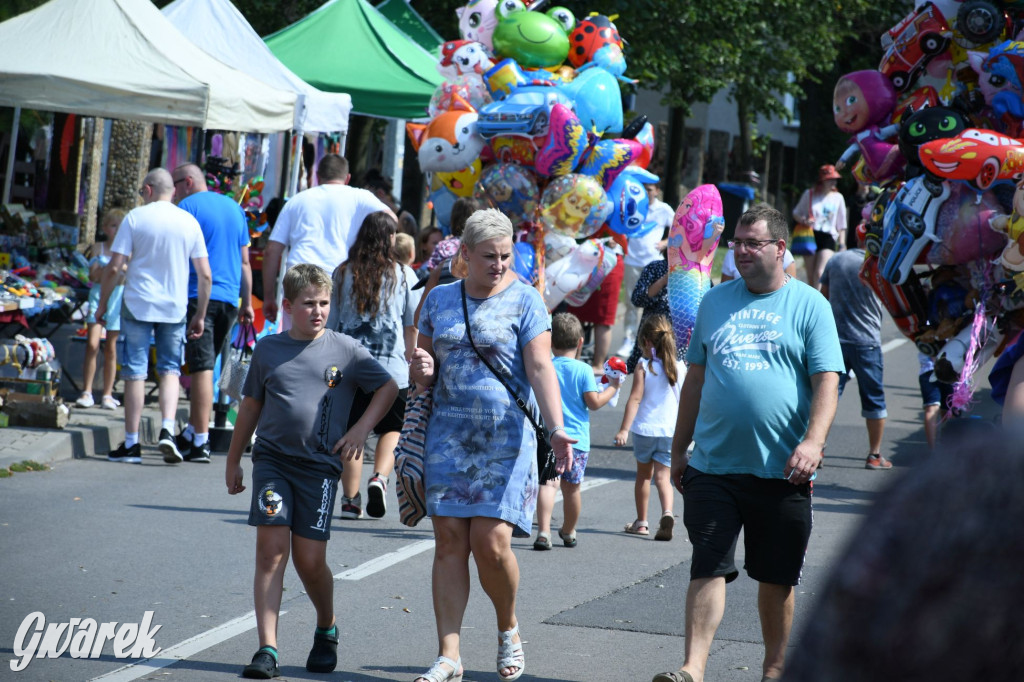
(183, 650)
(890, 345)
(380, 563)
(238, 626)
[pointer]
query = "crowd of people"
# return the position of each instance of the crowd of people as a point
(371, 312)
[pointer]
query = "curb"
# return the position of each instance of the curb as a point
(88, 433)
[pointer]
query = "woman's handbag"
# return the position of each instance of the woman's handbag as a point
(410, 488)
(545, 454)
(801, 239)
(236, 362)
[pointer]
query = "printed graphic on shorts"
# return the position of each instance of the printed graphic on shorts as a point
(269, 501)
(323, 518)
(332, 376)
(748, 339)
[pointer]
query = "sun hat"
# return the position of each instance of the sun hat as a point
(828, 172)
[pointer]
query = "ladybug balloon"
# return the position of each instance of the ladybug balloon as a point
(589, 36)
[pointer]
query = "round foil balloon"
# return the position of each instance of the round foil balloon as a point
(574, 205)
(510, 188)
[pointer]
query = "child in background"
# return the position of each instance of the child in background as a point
(579, 393)
(405, 248)
(935, 397)
(306, 378)
(99, 257)
(651, 415)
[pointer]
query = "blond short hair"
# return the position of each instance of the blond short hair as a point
(303, 276)
(405, 248)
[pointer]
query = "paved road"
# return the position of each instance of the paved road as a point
(91, 539)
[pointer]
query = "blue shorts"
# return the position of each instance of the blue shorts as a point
(934, 392)
(866, 363)
(136, 337)
(112, 323)
(658, 448)
(579, 465)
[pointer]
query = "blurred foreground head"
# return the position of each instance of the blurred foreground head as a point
(932, 585)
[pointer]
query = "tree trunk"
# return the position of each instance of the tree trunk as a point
(674, 159)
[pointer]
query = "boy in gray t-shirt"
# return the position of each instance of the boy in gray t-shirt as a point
(298, 391)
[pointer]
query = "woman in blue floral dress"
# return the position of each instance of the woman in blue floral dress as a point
(481, 468)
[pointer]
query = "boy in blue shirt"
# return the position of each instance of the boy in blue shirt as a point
(579, 393)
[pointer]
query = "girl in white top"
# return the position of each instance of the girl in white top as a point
(651, 416)
(823, 208)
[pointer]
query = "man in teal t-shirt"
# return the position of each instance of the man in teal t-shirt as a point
(758, 401)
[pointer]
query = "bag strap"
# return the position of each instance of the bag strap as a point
(519, 401)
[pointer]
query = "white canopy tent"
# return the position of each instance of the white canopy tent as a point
(220, 30)
(124, 59)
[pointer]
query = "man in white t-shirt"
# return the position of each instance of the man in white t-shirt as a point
(155, 243)
(318, 226)
(643, 249)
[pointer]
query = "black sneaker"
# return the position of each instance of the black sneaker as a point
(323, 657)
(183, 442)
(199, 453)
(132, 455)
(168, 446)
(376, 496)
(263, 667)
(351, 507)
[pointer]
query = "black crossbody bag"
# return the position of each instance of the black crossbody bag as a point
(545, 455)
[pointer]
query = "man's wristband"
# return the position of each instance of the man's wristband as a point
(551, 432)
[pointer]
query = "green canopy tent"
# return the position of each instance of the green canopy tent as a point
(402, 15)
(348, 46)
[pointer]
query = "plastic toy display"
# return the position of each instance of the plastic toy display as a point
(939, 126)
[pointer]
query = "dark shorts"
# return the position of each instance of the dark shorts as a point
(775, 516)
(286, 492)
(824, 240)
(390, 422)
(866, 363)
(934, 392)
(201, 353)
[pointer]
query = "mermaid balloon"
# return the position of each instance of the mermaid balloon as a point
(691, 250)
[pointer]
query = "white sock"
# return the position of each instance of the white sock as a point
(189, 432)
(200, 438)
(168, 424)
(131, 439)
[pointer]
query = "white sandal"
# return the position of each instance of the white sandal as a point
(510, 654)
(439, 674)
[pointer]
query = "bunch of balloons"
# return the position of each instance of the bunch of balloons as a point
(530, 121)
(936, 128)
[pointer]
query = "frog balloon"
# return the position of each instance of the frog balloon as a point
(533, 39)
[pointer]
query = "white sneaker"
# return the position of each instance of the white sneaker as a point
(110, 403)
(625, 349)
(85, 400)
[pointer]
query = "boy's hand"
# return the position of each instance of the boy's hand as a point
(350, 446)
(621, 437)
(233, 478)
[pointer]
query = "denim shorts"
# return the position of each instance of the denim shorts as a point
(866, 363)
(658, 448)
(136, 337)
(934, 392)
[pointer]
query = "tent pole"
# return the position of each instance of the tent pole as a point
(9, 177)
(296, 157)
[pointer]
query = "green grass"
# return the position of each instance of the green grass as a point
(23, 466)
